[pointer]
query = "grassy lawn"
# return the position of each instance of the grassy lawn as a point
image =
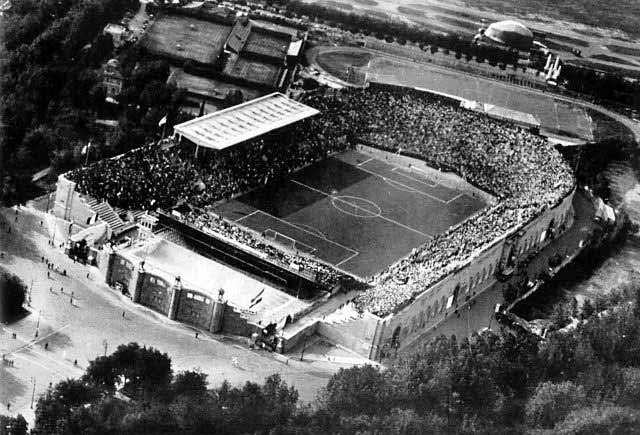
(187, 37)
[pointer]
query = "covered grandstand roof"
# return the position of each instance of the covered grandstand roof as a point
(228, 127)
(511, 33)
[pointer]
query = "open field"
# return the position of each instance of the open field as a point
(185, 37)
(628, 51)
(358, 213)
(567, 39)
(254, 71)
(615, 14)
(613, 59)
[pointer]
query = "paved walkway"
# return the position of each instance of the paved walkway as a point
(80, 327)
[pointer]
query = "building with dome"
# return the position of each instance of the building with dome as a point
(507, 34)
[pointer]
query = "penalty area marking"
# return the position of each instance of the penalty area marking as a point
(376, 212)
(404, 186)
(403, 173)
(346, 248)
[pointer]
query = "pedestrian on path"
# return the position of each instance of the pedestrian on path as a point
(123, 316)
(196, 335)
(48, 274)
(46, 346)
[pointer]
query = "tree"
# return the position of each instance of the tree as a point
(144, 371)
(600, 418)
(13, 425)
(55, 408)
(190, 383)
(13, 293)
(628, 388)
(357, 390)
(551, 403)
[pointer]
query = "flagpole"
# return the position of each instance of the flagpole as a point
(87, 148)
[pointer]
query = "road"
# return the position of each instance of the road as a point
(77, 318)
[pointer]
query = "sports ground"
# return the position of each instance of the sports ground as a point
(554, 115)
(353, 211)
(186, 37)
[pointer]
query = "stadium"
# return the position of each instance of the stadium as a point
(369, 227)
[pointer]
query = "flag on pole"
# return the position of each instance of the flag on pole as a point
(86, 148)
(163, 121)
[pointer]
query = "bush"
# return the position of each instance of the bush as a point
(551, 403)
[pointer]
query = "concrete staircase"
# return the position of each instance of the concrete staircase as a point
(106, 213)
(342, 315)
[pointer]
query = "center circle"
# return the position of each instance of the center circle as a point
(356, 206)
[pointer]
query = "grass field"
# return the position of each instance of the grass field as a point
(202, 43)
(628, 51)
(568, 39)
(254, 71)
(355, 212)
(613, 59)
(615, 14)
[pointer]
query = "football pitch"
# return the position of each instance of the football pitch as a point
(353, 211)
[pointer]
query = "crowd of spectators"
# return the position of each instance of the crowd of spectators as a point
(522, 170)
(208, 221)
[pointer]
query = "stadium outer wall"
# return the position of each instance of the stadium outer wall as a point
(400, 331)
(377, 338)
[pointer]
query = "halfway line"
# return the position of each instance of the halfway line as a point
(363, 209)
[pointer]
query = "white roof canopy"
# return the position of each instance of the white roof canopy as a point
(228, 127)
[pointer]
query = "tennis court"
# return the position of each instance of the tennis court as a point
(353, 211)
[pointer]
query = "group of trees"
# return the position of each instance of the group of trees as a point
(52, 89)
(605, 85)
(13, 293)
(579, 381)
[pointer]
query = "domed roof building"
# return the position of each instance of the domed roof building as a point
(510, 33)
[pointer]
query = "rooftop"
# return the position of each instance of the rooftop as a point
(228, 127)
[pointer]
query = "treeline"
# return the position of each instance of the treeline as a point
(583, 379)
(52, 89)
(608, 86)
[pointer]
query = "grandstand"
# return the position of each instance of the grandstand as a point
(426, 202)
(263, 43)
